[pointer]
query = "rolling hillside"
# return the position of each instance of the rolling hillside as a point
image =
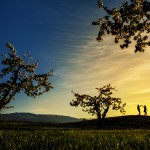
(120, 122)
(63, 122)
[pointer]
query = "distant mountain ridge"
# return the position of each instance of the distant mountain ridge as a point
(30, 117)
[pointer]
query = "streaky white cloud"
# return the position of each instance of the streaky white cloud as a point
(147, 90)
(96, 64)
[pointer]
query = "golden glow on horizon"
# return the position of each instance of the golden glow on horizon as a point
(102, 63)
(94, 65)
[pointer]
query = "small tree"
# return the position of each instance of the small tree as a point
(99, 105)
(130, 21)
(19, 75)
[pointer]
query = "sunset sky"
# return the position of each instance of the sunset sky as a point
(59, 34)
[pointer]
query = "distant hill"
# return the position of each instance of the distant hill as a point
(30, 117)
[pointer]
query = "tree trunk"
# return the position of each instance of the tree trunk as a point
(104, 113)
(100, 123)
(3, 103)
(101, 117)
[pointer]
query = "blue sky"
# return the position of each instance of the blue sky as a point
(59, 34)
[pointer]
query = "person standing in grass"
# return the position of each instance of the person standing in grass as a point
(138, 108)
(145, 110)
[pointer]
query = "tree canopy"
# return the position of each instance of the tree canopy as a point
(18, 75)
(128, 22)
(99, 105)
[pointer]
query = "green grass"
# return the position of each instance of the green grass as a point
(75, 139)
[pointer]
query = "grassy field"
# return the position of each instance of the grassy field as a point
(74, 139)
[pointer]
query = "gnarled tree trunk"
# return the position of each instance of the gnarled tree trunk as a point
(100, 123)
(101, 117)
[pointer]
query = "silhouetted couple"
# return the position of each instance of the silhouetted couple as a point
(145, 109)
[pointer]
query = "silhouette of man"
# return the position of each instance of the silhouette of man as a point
(138, 108)
(145, 110)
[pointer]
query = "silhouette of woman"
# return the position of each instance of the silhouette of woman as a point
(145, 110)
(138, 108)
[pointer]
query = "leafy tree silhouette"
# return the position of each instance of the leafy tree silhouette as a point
(129, 22)
(99, 105)
(19, 75)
